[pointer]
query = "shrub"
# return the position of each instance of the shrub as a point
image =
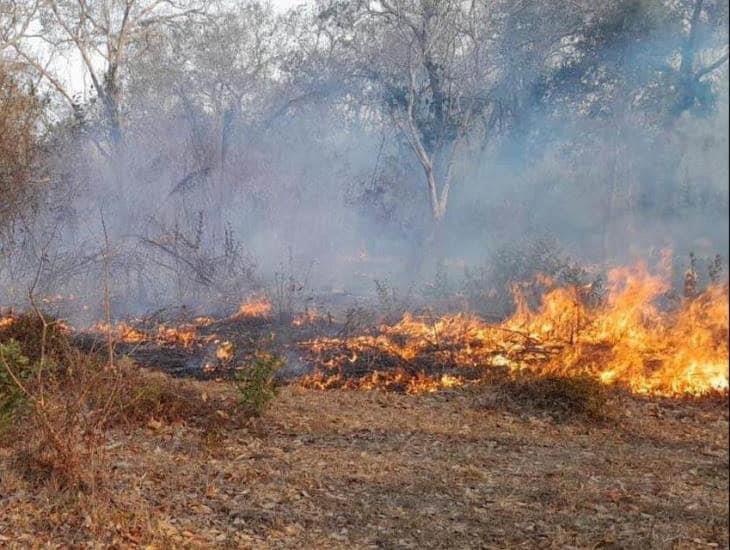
(55, 433)
(440, 288)
(256, 385)
(488, 289)
(14, 369)
(56, 417)
(155, 395)
(392, 303)
(36, 336)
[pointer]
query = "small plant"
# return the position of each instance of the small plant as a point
(391, 302)
(440, 287)
(14, 369)
(357, 320)
(715, 269)
(290, 289)
(256, 385)
(690, 278)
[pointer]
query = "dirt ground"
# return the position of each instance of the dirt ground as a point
(342, 469)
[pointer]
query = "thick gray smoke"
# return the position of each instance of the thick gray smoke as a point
(199, 210)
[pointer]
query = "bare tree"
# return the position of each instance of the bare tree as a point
(20, 111)
(98, 37)
(220, 66)
(441, 72)
(15, 21)
(703, 49)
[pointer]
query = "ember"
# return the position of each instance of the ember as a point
(183, 335)
(254, 307)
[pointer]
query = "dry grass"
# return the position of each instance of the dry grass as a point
(28, 330)
(560, 397)
(358, 469)
(58, 404)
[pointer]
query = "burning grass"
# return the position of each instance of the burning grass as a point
(627, 341)
(564, 422)
(254, 307)
(183, 335)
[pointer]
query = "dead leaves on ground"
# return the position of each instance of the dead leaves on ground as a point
(343, 469)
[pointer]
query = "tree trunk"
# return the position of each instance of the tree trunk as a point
(431, 247)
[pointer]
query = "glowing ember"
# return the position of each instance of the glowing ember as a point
(224, 352)
(307, 318)
(255, 307)
(183, 335)
(6, 321)
(627, 341)
(398, 380)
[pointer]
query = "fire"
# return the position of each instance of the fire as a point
(254, 307)
(309, 317)
(627, 341)
(225, 350)
(122, 332)
(184, 335)
(6, 321)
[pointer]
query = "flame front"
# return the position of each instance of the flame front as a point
(627, 341)
(183, 335)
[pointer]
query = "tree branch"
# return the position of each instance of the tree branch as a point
(712, 66)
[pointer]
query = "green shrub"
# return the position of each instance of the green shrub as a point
(14, 367)
(256, 385)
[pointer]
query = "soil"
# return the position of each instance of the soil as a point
(345, 469)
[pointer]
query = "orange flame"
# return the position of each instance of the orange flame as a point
(254, 307)
(6, 321)
(183, 335)
(627, 341)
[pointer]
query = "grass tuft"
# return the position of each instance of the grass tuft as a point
(560, 397)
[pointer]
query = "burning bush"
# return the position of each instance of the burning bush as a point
(527, 263)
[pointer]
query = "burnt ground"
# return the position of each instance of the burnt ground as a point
(344, 469)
